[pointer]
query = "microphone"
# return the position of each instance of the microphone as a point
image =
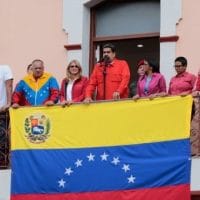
(105, 61)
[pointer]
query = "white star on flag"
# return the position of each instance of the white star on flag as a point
(91, 157)
(115, 160)
(126, 167)
(131, 179)
(78, 163)
(61, 183)
(104, 156)
(68, 171)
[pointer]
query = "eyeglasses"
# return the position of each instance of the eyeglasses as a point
(178, 66)
(74, 66)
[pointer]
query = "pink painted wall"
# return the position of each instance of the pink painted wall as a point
(31, 29)
(188, 31)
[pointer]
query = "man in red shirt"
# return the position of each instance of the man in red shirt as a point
(110, 78)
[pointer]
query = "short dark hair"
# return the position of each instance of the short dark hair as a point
(181, 59)
(111, 46)
(154, 65)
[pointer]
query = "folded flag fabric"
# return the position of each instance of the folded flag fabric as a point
(114, 150)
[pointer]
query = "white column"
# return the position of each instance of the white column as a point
(5, 184)
(170, 16)
(73, 26)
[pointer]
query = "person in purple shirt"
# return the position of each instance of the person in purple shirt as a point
(152, 84)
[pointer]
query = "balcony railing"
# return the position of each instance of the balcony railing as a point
(4, 140)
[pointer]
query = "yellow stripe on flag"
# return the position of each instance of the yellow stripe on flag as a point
(101, 124)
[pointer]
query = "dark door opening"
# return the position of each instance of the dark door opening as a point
(133, 50)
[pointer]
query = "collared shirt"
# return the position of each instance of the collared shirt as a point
(109, 79)
(182, 83)
(77, 90)
(157, 84)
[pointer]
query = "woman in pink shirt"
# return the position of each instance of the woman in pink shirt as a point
(151, 84)
(183, 82)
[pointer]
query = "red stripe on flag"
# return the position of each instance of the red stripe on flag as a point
(165, 193)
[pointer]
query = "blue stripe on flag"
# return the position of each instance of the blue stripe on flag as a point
(101, 169)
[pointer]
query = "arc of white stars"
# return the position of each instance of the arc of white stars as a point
(131, 179)
(126, 168)
(91, 157)
(68, 171)
(115, 160)
(78, 163)
(104, 156)
(61, 183)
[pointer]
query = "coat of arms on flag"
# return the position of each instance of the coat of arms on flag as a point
(37, 127)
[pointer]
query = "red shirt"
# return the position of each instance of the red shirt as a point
(197, 86)
(78, 89)
(156, 85)
(180, 83)
(117, 78)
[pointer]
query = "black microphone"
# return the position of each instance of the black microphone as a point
(101, 61)
(106, 60)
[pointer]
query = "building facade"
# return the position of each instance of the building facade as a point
(57, 31)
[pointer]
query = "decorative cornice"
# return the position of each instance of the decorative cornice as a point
(126, 37)
(173, 38)
(71, 47)
(195, 193)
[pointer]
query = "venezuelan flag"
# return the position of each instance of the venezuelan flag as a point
(105, 151)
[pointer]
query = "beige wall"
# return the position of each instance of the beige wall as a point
(188, 31)
(32, 29)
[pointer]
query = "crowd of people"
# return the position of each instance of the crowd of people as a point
(109, 81)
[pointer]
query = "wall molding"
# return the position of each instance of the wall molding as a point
(126, 37)
(173, 38)
(71, 47)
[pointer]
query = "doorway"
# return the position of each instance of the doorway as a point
(123, 23)
(133, 50)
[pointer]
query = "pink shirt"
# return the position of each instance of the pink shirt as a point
(182, 83)
(156, 85)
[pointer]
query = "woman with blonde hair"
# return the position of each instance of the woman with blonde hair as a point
(73, 85)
